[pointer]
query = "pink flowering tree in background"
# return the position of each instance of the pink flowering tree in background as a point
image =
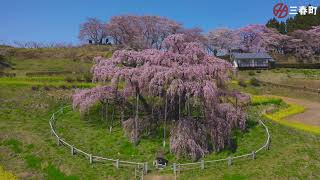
(252, 38)
(179, 86)
(140, 32)
(304, 44)
(92, 30)
(258, 38)
(146, 32)
(223, 39)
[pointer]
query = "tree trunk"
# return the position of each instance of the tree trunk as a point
(136, 121)
(106, 111)
(179, 106)
(165, 121)
(112, 119)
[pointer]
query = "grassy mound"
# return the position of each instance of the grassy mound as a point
(92, 134)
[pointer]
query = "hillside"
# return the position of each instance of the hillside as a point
(43, 83)
(65, 59)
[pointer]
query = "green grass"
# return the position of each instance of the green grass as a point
(294, 77)
(263, 100)
(92, 135)
(301, 126)
(33, 162)
(55, 174)
(293, 109)
(300, 73)
(14, 144)
(280, 115)
(74, 59)
(5, 175)
(290, 151)
(56, 82)
(272, 90)
(27, 147)
(21, 67)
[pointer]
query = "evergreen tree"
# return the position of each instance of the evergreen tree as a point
(282, 28)
(302, 22)
(273, 23)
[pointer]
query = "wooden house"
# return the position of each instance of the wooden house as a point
(252, 60)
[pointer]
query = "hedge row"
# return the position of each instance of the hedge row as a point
(48, 73)
(263, 100)
(3, 74)
(299, 66)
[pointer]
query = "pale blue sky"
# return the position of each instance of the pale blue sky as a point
(58, 20)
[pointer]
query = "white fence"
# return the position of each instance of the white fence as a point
(203, 164)
(143, 166)
(92, 158)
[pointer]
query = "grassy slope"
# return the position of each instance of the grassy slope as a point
(47, 64)
(76, 59)
(295, 77)
(51, 82)
(290, 155)
(29, 151)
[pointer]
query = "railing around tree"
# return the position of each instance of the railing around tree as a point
(92, 158)
(177, 168)
(143, 166)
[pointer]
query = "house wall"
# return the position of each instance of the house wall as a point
(259, 63)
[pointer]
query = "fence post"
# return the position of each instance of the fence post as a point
(142, 174)
(253, 155)
(229, 161)
(117, 163)
(90, 158)
(202, 164)
(72, 150)
(58, 141)
(174, 168)
(51, 129)
(146, 167)
(135, 173)
(268, 145)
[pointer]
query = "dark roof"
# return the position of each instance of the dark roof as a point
(251, 56)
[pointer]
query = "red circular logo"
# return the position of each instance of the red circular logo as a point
(280, 10)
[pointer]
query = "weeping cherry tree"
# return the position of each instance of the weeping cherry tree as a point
(180, 86)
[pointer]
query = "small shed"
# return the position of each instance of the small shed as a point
(252, 60)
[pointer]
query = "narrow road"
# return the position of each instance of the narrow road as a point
(311, 115)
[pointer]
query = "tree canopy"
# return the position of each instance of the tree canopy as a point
(92, 30)
(189, 84)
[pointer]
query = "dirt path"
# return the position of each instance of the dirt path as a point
(311, 116)
(158, 177)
